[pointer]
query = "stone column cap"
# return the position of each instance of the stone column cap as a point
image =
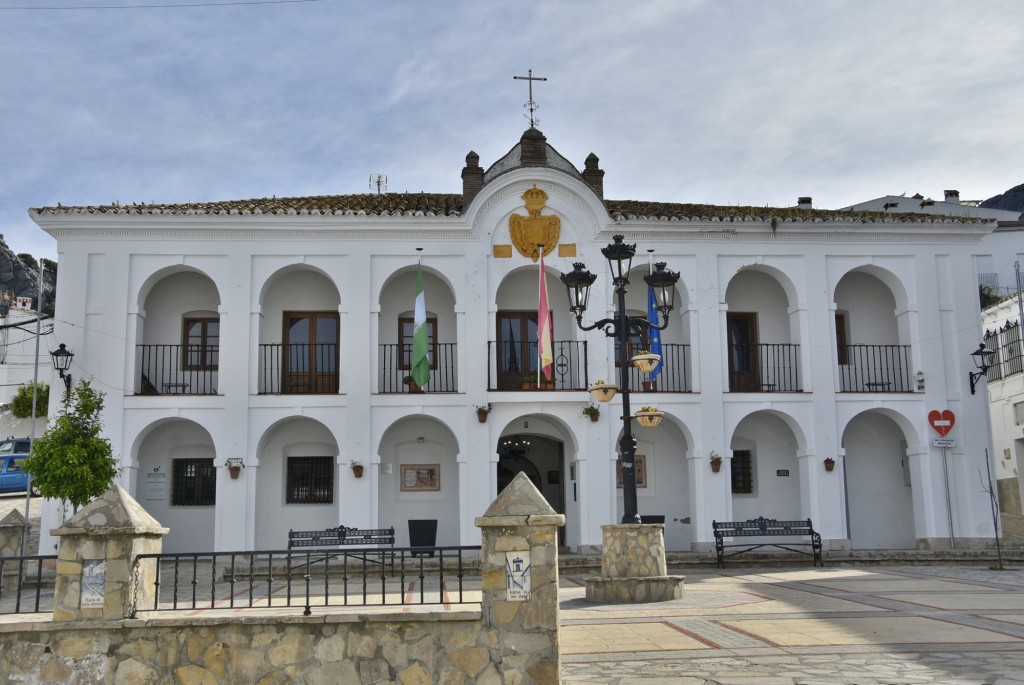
(14, 519)
(114, 512)
(520, 504)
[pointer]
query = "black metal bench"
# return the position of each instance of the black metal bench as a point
(341, 536)
(764, 527)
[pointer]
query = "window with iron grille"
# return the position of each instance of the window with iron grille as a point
(310, 480)
(742, 472)
(193, 483)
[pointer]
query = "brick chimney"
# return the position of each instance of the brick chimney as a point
(533, 145)
(472, 179)
(953, 197)
(593, 175)
(804, 203)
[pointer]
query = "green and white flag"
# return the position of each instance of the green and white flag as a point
(420, 342)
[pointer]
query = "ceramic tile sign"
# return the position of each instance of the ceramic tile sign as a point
(94, 581)
(517, 576)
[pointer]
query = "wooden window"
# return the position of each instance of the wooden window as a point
(193, 483)
(842, 351)
(201, 343)
(742, 472)
(406, 326)
(311, 349)
(310, 480)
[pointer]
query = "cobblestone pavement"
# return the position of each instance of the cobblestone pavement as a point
(900, 625)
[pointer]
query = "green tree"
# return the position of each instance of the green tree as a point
(71, 462)
(21, 403)
(29, 261)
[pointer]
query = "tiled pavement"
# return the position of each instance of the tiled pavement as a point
(952, 625)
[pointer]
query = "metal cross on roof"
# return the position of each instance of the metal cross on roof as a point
(530, 104)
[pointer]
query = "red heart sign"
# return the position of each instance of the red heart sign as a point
(941, 421)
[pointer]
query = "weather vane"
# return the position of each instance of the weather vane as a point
(530, 104)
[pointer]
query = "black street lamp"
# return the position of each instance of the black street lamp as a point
(984, 359)
(62, 357)
(578, 283)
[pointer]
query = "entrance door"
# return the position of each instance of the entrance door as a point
(311, 349)
(744, 369)
(541, 459)
(517, 350)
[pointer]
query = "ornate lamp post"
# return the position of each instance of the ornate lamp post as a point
(621, 327)
(62, 357)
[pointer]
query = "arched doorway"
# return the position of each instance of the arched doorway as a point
(542, 459)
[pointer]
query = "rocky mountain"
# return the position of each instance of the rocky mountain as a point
(21, 276)
(1012, 199)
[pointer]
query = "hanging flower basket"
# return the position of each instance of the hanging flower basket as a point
(603, 392)
(645, 361)
(716, 462)
(649, 417)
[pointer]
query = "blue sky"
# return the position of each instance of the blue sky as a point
(709, 101)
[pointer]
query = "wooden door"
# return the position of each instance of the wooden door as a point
(744, 367)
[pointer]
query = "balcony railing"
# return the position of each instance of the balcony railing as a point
(1006, 343)
(394, 364)
(764, 368)
(513, 366)
(298, 369)
(674, 376)
(177, 369)
(875, 368)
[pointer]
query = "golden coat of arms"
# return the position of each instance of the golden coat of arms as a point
(534, 232)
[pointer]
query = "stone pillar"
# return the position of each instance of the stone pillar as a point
(98, 546)
(519, 569)
(633, 567)
(12, 528)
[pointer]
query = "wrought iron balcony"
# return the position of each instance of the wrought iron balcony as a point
(298, 369)
(513, 366)
(177, 369)
(674, 376)
(875, 368)
(764, 368)
(394, 364)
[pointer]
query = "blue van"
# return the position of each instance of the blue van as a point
(12, 476)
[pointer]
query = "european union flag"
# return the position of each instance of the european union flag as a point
(654, 336)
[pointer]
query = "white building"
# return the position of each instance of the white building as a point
(277, 332)
(1005, 389)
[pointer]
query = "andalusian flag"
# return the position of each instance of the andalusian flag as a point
(544, 354)
(420, 341)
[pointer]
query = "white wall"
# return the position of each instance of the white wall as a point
(773, 448)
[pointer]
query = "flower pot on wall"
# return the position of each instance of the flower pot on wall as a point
(830, 464)
(357, 471)
(481, 415)
(716, 466)
(233, 471)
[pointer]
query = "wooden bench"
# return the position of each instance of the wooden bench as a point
(763, 527)
(341, 536)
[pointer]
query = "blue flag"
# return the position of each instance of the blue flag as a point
(654, 336)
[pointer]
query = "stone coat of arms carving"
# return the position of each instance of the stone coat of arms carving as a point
(534, 232)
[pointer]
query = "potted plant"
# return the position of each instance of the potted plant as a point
(830, 463)
(411, 382)
(592, 411)
(716, 461)
(645, 361)
(235, 467)
(648, 416)
(357, 468)
(603, 392)
(482, 411)
(529, 381)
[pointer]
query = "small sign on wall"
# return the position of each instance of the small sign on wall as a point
(782, 473)
(156, 485)
(94, 582)
(517, 576)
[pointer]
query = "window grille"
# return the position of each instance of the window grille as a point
(742, 472)
(310, 480)
(193, 483)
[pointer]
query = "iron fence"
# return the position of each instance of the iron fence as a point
(394, 364)
(177, 369)
(26, 584)
(298, 369)
(333, 577)
(875, 368)
(773, 367)
(513, 366)
(674, 375)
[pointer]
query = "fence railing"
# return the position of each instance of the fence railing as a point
(177, 369)
(771, 367)
(26, 584)
(674, 376)
(369, 576)
(513, 366)
(298, 369)
(394, 363)
(875, 368)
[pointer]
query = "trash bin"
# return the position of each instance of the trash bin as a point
(423, 533)
(652, 518)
